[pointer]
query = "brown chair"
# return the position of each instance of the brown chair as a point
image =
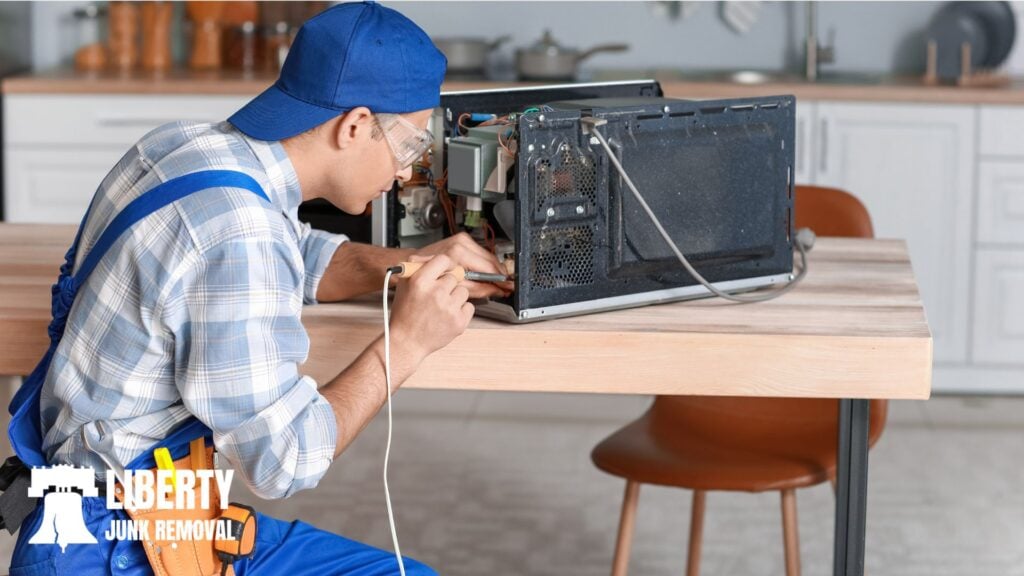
(738, 444)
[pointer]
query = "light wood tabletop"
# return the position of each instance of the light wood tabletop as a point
(855, 328)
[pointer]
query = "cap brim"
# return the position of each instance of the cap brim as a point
(274, 115)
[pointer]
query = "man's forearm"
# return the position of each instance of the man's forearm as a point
(357, 394)
(357, 269)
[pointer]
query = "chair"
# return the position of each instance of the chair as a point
(738, 444)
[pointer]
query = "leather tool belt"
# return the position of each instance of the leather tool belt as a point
(196, 557)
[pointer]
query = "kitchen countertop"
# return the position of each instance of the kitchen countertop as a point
(674, 84)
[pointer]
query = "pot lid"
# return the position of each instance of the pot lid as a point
(547, 45)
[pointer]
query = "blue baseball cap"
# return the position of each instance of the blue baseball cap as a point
(350, 55)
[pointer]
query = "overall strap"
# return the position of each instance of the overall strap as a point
(157, 198)
(25, 430)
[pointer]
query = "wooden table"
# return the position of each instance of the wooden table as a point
(854, 330)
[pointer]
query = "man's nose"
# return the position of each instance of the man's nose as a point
(404, 175)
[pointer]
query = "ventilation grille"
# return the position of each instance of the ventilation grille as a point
(562, 257)
(567, 174)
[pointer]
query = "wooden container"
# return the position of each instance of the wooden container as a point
(206, 34)
(156, 35)
(123, 36)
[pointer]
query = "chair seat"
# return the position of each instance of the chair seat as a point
(701, 463)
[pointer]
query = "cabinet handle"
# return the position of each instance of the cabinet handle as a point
(131, 122)
(823, 147)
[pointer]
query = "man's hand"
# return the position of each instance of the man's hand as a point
(430, 308)
(463, 251)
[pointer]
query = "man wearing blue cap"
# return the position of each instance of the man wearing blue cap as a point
(177, 313)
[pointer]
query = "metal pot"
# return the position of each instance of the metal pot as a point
(547, 60)
(467, 55)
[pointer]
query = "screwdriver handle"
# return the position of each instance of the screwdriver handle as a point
(410, 268)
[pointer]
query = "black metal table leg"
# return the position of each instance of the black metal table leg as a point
(851, 487)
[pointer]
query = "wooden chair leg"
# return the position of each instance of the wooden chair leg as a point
(626, 522)
(696, 533)
(790, 534)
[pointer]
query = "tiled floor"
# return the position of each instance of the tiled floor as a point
(502, 484)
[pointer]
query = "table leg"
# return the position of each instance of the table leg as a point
(851, 487)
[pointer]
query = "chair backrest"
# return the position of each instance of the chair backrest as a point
(831, 212)
(777, 421)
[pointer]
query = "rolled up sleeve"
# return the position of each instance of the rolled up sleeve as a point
(317, 248)
(236, 319)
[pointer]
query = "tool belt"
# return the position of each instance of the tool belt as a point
(195, 557)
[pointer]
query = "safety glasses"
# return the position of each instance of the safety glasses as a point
(408, 142)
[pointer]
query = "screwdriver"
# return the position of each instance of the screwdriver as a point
(407, 269)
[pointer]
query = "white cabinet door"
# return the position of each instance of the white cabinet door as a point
(1001, 202)
(55, 184)
(111, 119)
(59, 147)
(1000, 131)
(912, 166)
(806, 114)
(999, 308)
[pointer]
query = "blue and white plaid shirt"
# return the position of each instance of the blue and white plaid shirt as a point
(196, 311)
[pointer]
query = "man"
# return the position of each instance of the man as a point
(194, 312)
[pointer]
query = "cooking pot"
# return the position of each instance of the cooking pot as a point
(547, 60)
(467, 55)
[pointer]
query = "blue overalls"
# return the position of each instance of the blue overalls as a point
(293, 548)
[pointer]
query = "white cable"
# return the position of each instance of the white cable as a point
(679, 255)
(387, 450)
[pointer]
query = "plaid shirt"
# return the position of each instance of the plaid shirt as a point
(196, 311)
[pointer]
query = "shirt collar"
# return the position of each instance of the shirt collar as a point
(284, 182)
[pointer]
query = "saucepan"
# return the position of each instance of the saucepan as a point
(467, 55)
(547, 60)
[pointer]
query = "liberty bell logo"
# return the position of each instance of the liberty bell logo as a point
(63, 523)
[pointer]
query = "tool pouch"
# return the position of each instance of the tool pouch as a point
(193, 556)
(241, 536)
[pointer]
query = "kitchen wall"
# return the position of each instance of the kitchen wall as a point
(869, 36)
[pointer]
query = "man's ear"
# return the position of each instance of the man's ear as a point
(355, 125)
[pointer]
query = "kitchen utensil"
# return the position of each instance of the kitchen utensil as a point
(156, 35)
(468, 55)
(951, 29)
(239, 12)
(240, 35)
(547, 60)
(241, 47)
(740, 16)
(91, 57)
(1000, 28)
(206, 34)
(91, 54)
(122, 34)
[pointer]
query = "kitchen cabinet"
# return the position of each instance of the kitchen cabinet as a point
(59, 147)
(54, 184)
(804, 146)
(999, 308)
(1001, 130)
(913, 167)
(1001, 202)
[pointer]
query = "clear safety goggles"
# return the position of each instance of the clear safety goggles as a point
(408, 142)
